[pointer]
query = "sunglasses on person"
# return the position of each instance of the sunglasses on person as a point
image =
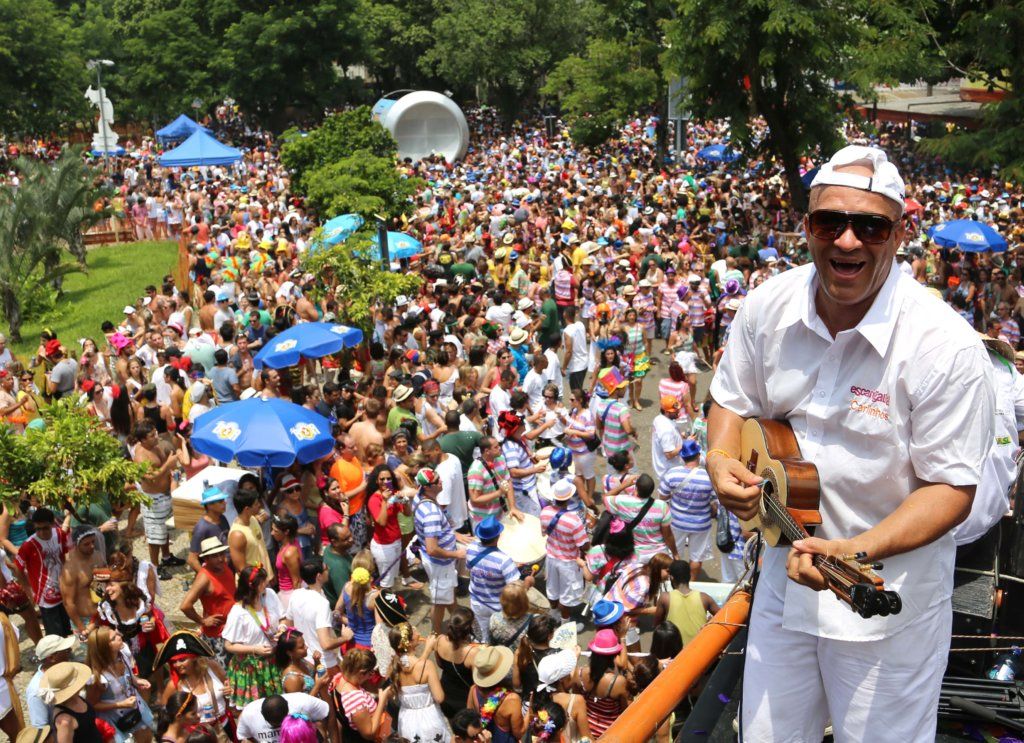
(829, 224)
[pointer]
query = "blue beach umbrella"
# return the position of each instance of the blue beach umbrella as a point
(310, 340)
(968, 236)
(400, 246)
(340, 229)
(718, 153)
(263, 433)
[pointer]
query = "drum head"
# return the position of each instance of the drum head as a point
(523, 541)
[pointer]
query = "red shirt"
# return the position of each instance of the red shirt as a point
(219, 599)
(390, 532)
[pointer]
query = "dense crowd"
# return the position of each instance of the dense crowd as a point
(563, 290)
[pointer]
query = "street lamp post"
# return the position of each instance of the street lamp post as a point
(98, 65)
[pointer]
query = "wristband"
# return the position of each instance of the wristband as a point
(723, 452)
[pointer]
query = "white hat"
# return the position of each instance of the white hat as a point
(886, 179)
(518, 337)
(129, 310)
(401, 300)
(555, 667)
(644, 284)
(401, 393)
(564, 489)
(51, 644)
(694, 278)
(198, 391)
(734, 304)
(623, 263)
(146, 301)
(525, 303)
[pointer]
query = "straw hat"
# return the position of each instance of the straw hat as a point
(211, 546)
(491, 665)
(401, 393)
(518, 337)
(34, 735)
(63, 681)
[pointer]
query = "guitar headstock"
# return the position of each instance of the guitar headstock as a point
(857, 583)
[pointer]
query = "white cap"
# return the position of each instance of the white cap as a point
(129, 310)
(525, 303)
(886, 179)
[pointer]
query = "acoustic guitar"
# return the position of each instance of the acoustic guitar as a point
(788, 511)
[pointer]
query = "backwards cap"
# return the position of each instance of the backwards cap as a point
(886, 179)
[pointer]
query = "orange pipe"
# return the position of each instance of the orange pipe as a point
(641, 719)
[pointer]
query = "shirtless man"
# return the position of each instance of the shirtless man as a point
(306, 309)
(369, 430)
(156, 483)
(208, 311)
(76, 579)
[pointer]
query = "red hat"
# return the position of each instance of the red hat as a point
(88, 385)
(509, 421)
(289, 481)
(431, 386)
(51, 347)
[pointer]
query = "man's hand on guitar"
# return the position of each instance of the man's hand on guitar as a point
(799, 566)
(737, 487)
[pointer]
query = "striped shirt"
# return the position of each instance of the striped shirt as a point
(430, 521)
(478, 478)
(581, 420)
(569, 534)
(644, 306)
(690, 492)
(490, 575)
(669, 293)
(647, 534)
(517, 456)
(630, 585)
(698, 303)
(615, 437)
(354, 701)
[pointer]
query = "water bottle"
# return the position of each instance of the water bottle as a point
(206, 713)
(1007, 666)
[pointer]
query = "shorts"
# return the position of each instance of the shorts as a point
(697, 543)
(564, 582)
(698, 334)
(649, 331)
(441, 582)
(388, 558)
(154, 518)
(585, 462)
(665, 324)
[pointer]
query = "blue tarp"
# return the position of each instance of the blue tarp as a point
(179, 129)
(200, 149)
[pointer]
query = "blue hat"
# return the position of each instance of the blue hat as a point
(222, 297)
(213, 494)
(561, 458)
(689, 449)
(607, 613)
(489, 529)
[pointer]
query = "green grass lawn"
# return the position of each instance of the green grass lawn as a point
(117, 275)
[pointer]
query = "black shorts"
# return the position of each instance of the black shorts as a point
(698, 335)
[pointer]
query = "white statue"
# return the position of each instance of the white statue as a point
(105, 138)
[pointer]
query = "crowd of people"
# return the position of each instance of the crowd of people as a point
(504, 395)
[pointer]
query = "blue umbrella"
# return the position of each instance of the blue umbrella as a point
(339, 229)
(400, 246)
(718, 153)
(967, 235)
(263, 433)
(309, 339)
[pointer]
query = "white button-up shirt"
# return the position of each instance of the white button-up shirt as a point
(903, 399)
(992, 499)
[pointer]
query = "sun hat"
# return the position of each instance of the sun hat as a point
(622, 263)
(391, 608)
(670, 403)
(553, 668)
(491, 665)
(489, 529)
(607, 613)
(644, 284)
(734, 304)
(213, 494)
(518, 337)
(690, 448)
(65, 680)
(694, 278)
(508, 238)
(401, 393)
(500, 254)
(525, 303)
(732, 286)
(51, 644)
(605, 642)
(885, 178)
(563, 490)
(629, 290)
(128, 310)
(33, 735)
(211, 546)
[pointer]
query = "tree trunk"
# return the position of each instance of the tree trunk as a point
(12, 310)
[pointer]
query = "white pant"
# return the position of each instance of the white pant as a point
(564, 582)
(442, 580)
(882, 690)
(388, 558)
(482, 620)
(731, 569)
(697, 544)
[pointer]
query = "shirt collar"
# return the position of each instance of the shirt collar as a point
(876, 326)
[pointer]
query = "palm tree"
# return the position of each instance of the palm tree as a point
(40, 226)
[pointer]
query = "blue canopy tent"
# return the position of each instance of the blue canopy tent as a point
(200, 149)
(181, 128)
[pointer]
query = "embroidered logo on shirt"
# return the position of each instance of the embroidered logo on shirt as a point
(870, 402)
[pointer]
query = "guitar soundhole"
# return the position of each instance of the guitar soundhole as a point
(767, 491)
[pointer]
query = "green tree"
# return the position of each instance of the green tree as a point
(395, 35)
(362, 183)
(600, 89)
(72, 461)
(357, 283)
(986, 44)
(40, 230)
(42, 77)
(277, 54)
(505, 48)
(337, 137)
(780, 59)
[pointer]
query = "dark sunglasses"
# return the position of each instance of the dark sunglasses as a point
(870, 229)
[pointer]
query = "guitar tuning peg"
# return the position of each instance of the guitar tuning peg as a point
(876, 566)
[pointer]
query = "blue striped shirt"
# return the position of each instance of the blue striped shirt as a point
(690, 493)
(518, 456)
(430, 521)
(490, 575)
